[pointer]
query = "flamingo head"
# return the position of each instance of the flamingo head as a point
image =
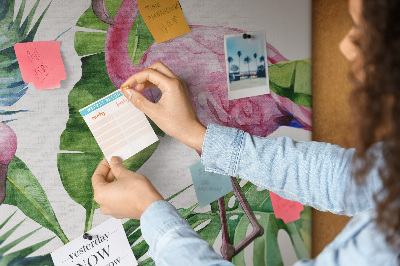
(100, 10)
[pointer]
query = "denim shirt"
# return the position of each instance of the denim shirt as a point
(312, 173)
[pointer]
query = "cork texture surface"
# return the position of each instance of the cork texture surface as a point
(331, 90)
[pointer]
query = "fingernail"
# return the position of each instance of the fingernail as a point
(125, 88)
(129, 94)
(115, 160)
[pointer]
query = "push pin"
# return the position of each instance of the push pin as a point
(87, 236)
(246, 36)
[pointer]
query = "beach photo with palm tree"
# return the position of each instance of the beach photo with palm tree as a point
(255, 59)
(245, 77)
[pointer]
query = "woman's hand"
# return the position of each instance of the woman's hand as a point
(174, 112)
(128, 196)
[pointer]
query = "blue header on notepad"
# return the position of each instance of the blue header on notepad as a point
(93, 107)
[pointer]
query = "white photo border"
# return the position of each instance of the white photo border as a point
(247, 92)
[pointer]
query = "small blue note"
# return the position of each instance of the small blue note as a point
(209, 186)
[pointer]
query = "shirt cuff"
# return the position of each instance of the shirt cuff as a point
(157, 220)
(221, 149)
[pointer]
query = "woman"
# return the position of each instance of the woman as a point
(363, 183)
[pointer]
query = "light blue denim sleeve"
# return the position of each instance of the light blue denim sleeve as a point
(172, 240)
(312, 173)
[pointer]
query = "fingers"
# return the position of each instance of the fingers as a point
(140, 86)
(110, 177)
(117, 167)
(161, 81)
(99, 176)
(139, 101)
(143, 86)
(156, 75)
(160, 67)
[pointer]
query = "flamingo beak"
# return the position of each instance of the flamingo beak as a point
(100, 10)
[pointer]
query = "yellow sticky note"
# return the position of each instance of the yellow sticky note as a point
(164, 18)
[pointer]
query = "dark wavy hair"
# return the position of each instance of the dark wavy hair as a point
(376, 106)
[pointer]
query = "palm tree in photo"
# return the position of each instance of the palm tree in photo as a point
(234, 68)
(230, 59)
(247, 60)
(255, 58)
(231, 76)
(239, 54)
(262, 59)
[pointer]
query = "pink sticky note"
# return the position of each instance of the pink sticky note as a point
(41, 63)
(286, 210)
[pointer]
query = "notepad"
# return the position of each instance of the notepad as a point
(118, 126)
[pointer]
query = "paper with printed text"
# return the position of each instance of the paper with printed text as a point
(118, 126)
(108, 246)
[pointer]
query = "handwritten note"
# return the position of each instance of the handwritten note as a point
(118, 126)
(209, 186)
(41, 64)
(108, 246)
(164, 18)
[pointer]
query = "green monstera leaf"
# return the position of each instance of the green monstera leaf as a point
(266, 248)
(292, 79)
(80, 152)
(208, 226)
(76, 166)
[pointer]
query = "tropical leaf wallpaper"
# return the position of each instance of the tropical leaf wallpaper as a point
(48, 154)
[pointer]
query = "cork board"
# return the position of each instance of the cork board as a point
(330, 119)
(331, 90)
(60, 163)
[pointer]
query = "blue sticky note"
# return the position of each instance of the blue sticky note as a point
(209, 186)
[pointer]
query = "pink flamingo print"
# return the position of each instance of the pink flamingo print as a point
(199, 59)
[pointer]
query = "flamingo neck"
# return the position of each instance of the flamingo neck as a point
(119, 64)
(126, 14)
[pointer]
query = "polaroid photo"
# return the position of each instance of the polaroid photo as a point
(246, 65)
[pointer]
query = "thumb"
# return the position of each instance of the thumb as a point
(99, 176)
(117, 167)
(138, 100)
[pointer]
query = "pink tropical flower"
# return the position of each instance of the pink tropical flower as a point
(8, 146)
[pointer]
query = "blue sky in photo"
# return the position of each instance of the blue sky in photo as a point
(248, 47)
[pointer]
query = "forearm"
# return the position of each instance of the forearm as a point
(312, 173)
(172, 240)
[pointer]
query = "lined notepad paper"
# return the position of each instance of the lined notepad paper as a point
(118, 126)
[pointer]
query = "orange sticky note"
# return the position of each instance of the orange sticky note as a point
(41, 63)
(164, 18)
